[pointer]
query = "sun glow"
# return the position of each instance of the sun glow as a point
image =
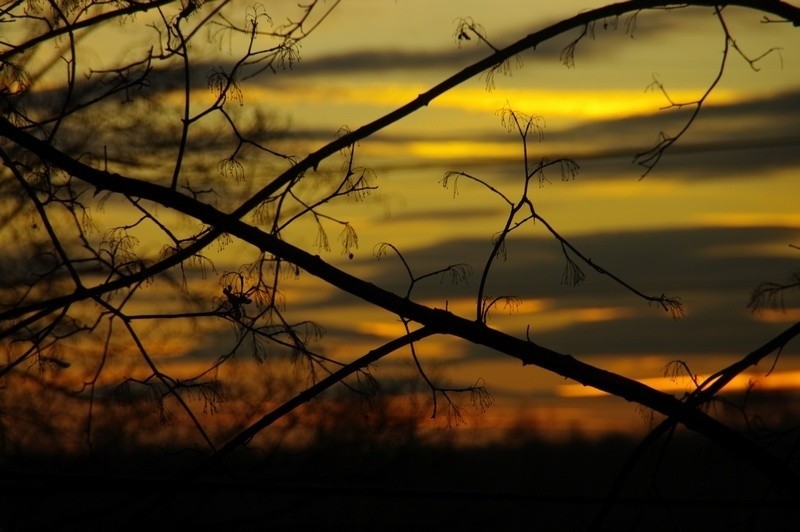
(786, 380)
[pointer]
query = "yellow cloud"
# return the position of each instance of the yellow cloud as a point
(462, 149)
(576, 104)
(627, 189)
(466, 306)
(381, 329)
(550, 103)
(553, 319)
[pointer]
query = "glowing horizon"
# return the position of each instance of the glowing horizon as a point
(773, 381)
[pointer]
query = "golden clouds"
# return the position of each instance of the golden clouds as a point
(549, 103)
(462, 149)
(550, 318)
(570, 104)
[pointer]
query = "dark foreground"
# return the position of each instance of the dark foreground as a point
(350, 486)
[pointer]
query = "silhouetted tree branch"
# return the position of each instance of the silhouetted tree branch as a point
(84, 285)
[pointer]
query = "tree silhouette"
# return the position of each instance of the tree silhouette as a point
(113, 214)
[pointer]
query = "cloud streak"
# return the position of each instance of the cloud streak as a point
(712, 269)
(740, 139)
(603, 41)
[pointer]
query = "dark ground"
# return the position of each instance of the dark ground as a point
(343, 485)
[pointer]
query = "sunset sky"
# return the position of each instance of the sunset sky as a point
(714, 219)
